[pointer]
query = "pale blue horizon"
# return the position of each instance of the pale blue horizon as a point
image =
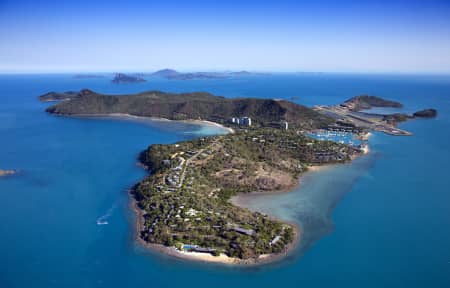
(284, 36)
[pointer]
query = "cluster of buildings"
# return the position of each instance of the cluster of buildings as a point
(337, 127)
(196, 248)
(248, 232)
(284, 125)
(247, 121)
(325, 156)
(244, 121)
(175, 177)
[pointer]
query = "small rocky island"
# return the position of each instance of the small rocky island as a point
(184, 206)
(426, 113)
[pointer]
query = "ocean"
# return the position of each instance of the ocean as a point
(381, 221)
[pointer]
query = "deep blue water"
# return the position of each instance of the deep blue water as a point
(390, 226)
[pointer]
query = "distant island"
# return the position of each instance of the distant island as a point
(183, 205)
(121, 78)
(87, 76)
(129, 78)
(175, 75)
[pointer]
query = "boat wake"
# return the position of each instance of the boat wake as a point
(102, 220)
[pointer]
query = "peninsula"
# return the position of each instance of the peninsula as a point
(183, 204)
(348, 115)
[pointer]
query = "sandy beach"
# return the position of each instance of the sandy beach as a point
(153, 119)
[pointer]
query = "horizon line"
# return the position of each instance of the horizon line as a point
(275, 71)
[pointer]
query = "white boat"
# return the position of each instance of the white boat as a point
(102, 222)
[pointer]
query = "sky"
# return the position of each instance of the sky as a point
(395, 36)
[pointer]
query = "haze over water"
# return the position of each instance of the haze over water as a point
(382, 221)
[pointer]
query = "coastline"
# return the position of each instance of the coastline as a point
(154, 119)
(222, 259)
(238, 199)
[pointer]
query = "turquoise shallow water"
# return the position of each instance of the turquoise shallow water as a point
(382, 221)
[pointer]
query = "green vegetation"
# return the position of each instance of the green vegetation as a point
(426, 113)
(186, 197)
(188, 106)
(362, 102)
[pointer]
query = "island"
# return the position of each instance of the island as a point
(87, 76)
(426, 113)
(175, 75)
(166, 73)
(184, 206)
(197, 106)
(121, 78)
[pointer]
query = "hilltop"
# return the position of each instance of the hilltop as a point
(363, 102)
(63, 96)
